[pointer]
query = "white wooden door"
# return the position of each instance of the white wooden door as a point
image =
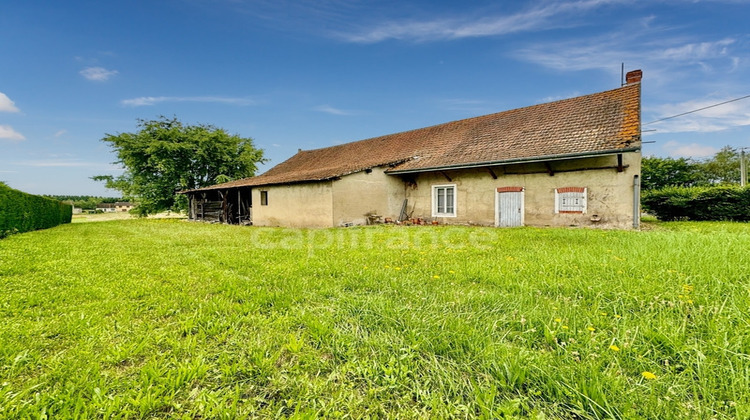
(509, 207)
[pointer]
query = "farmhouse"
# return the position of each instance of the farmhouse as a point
(574, 162)
(120, 206)
(106, 207)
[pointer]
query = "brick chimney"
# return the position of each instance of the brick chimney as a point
(633, 77)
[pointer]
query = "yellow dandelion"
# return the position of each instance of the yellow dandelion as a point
(618, 316)
(592, 329)
(614, 348)
(396, 268)
(451, 271)
(603, 313)
(648, 375)
(387, 266)
(558, 320)
(565, 327)
(435, 276)
(509, 258)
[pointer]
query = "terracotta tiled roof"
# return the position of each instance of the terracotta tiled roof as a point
(598, 123)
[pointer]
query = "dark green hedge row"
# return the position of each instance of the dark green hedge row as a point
(699, 203)
(21, 212)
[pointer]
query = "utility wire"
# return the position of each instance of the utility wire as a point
(699, 109)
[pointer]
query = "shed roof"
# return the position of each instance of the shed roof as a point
(600, 123)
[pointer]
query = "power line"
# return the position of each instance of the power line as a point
(699, 109)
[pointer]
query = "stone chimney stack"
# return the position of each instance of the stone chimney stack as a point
(633, 77)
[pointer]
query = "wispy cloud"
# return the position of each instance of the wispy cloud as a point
(694, 150)
(8, 133)
(6, 105)
(153, 100)
(333, 111)
(60, 133)
(665, 60)
(560, 97)
(723, 117)
(435, 29)
(98, 74)
(698, 51)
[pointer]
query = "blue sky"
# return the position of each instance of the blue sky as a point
(309, 74)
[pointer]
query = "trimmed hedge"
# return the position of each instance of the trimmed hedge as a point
(22, 212)
(699, 203)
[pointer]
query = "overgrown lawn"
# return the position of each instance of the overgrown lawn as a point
(167, 318)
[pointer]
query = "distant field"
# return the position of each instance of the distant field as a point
(168, 318)
(107, 217)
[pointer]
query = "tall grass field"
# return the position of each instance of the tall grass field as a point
(173, 319)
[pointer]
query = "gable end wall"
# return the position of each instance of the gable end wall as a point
(295, 205)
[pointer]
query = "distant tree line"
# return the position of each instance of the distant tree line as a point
(721, 169)
(85, 202)
(688, 189)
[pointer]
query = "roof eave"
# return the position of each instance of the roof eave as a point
(297, 181)
(533, 159)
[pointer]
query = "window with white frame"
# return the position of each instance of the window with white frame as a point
(570, 200)
(444, 200)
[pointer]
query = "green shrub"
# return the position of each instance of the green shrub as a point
(699, 203)
(21, 212)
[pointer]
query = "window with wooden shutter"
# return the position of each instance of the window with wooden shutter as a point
(570, 200)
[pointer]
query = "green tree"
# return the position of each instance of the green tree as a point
(659, 172)
(723, 167)
(166, 156)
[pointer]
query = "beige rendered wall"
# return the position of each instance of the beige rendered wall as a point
(609, 193)
(356, 195)
(296, 205)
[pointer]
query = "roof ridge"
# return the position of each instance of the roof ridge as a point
(580, 97)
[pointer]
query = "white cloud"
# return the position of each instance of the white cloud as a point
(718, 118)
(8, 133)
(665, 61)
(697, 51)
(97, 74)
(560, 97)
(6, 105)
(60, 133)
(333, 111)
(694, 150)
(471, 26)
(153, 100)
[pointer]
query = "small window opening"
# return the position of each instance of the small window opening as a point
(570, 200)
